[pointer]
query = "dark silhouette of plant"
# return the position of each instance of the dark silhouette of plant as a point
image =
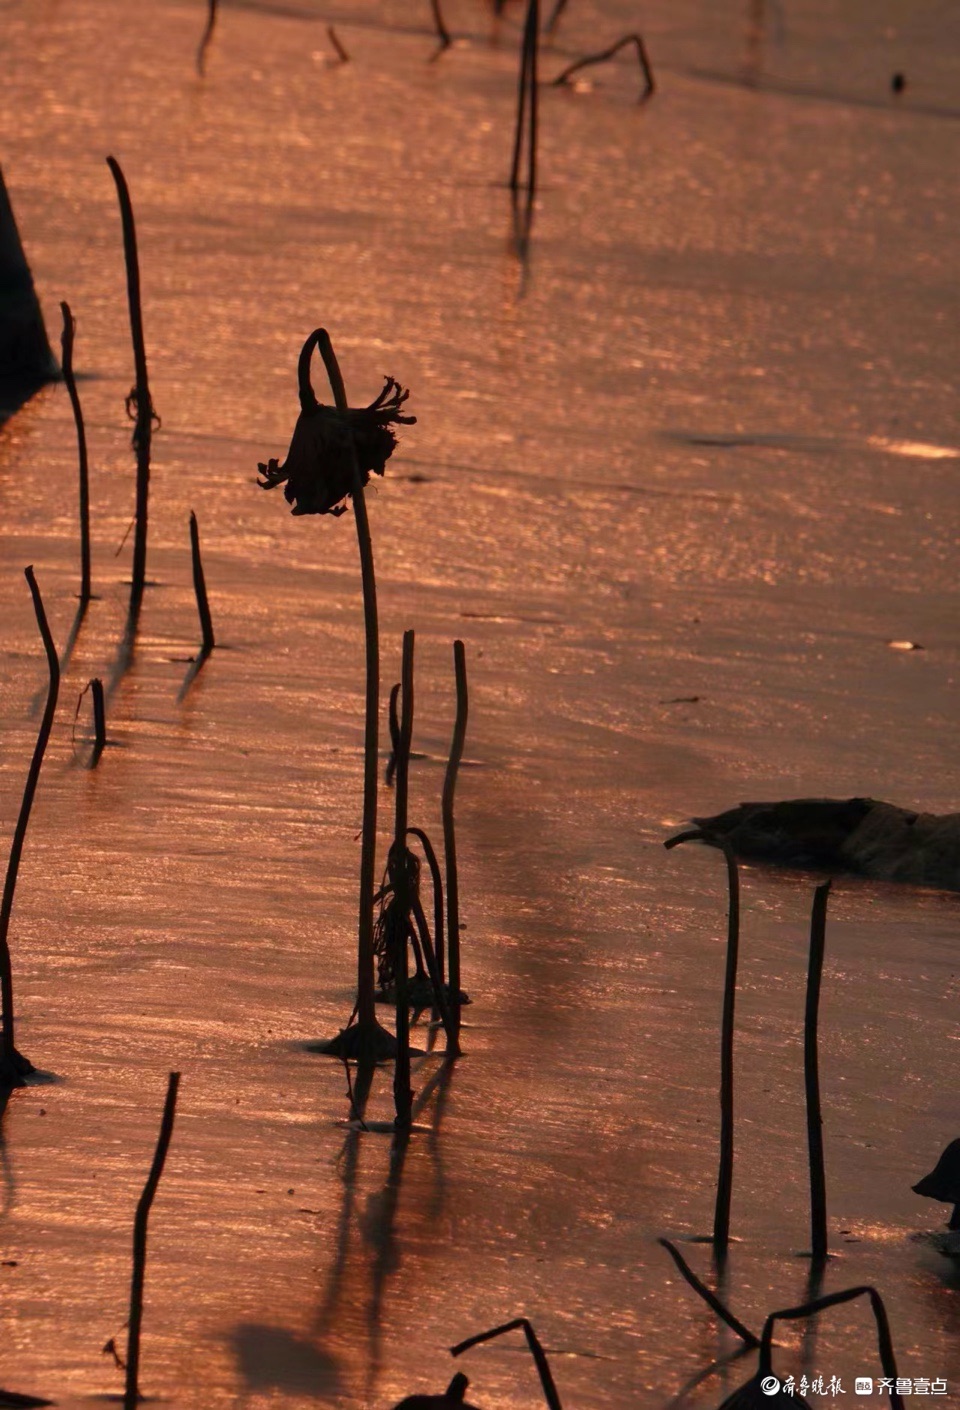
(721, 1218)
(14, 1067)
(550, 1393)
(132, 1391)
(139, 405)
(66, 344)
(752, 1396)
(647, 88)
(332, 455)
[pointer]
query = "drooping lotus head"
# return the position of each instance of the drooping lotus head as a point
(329, 443)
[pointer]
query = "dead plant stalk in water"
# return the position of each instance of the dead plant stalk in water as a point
(13, 1065)
(721, 1218)
(66, 344)
(811, 1074)
(132, 1392)
(400, 863)
(139, 404)
(333, 452)
(450, 842)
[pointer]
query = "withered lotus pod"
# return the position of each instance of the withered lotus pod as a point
(327, 443)
(451, 1399)
(943, 1182)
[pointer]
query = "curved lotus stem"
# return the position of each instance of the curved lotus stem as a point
(437, 883)
(809, 1309)
(550, 1393)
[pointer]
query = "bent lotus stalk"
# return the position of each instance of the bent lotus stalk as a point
(753, 1396)
(550, 1393)
(333, 452)
(648, 86)
(14, 1067)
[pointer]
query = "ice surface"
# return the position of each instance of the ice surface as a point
(706, 448)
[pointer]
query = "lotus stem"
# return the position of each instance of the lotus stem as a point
(370, 1033)
(450, 840)
(550, 1393)
(648, 86)
(206, 37)
(338, 48)
(437, 883)
(139, 398)
(710, 1298)
(99, 719)
(13, 1066)
(527, 101)
(809, 1309)
(811, 1075)
(721, 1218)
(402, 1093)
(393, 721)
(440, 1001)
(200, 589)
(558, 10)
(132, 1391)
(66, 344)
(443, 34)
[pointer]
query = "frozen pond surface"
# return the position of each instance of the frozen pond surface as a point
(706, 448)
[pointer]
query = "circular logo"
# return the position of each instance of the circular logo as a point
(769, 1385)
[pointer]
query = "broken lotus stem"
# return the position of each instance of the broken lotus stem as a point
(550, 1392)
